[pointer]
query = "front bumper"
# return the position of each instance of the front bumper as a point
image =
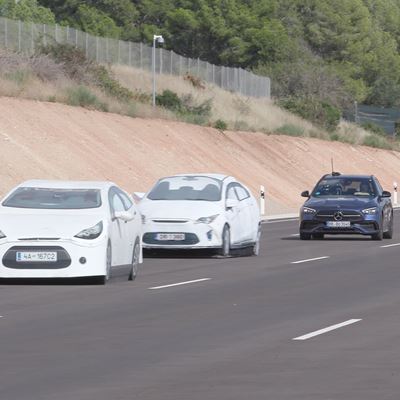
(197, 236)
(362, 225)
(69, 259)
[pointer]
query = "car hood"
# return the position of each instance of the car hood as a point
(341, 203)
(64, 225)
(160, 209)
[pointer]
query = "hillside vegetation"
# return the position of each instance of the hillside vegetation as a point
(322, 51)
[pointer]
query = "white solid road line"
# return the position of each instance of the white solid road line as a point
(328, 329)
(179, 283)
(309, 259)
(390, 245)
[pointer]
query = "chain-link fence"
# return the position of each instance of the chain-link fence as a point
(24, 37)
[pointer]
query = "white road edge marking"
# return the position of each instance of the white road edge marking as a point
(390, 245)
(295, 234)
(327, 329)
(310, 259)
(180, 283)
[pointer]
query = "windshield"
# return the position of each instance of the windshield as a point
(54, 199)
(341, 186)
(197, 188)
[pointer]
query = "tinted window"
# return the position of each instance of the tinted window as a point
(231, 193)
(65, 199)
(125, 199)
(242, 192)
(197, 188)
(342, 186)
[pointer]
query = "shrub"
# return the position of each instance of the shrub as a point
(321, 113)
(170, 100)
(83, 97)
(221, 125)
(290, 130)
(377, 141)
(374, 128)
(194, 80)
(19, 76)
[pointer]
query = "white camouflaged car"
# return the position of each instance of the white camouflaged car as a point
(55, 229)
(195, 211)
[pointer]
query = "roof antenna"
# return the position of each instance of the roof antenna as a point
(333, 170)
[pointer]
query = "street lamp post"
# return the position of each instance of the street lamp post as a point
(156, 39)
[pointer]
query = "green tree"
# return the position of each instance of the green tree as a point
(26, 10)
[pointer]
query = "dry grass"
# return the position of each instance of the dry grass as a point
(239, 112)
(40, 78)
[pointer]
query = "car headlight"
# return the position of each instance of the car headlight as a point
(2, 235)
(308, 210)
(370, 211)
(207, 220)
(91, 233)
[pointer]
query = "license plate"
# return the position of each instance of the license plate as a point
(36, 256)
(170, 236)
(338, 224)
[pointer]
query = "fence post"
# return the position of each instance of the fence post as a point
(32, 39)
(356, 112)
(160, 56)
(56, 33)
(130, 54)
(87, 45)
(76, 37)
(19, 36)
(5, 34)
(119, 51)
(141, 55)
(171, 61)
(262, 200)
(97, 48)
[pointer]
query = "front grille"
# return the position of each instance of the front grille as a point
(310, 224)
(170, 221)
(39, 239)
(63, 258)
(328, 215)
(151, 238)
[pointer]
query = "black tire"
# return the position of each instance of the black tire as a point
(256, 248)
(318, 236)
(379, 234)
(305, 236)
(389, 233)
(135, 262)
(225, 250)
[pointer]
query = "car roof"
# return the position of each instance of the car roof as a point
(349, 176)
(59, 184)
(219, 177)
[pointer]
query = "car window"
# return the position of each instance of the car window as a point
(231, 192)
(344, 186)
(116, 203)
(125, 199)
(379, 185)
(53, 199)
(242, 193)
(191, 188)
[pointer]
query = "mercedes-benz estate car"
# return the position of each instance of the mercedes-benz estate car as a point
(196, 211)
(56, 229)
(347, 204)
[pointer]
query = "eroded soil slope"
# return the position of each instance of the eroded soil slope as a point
(46, 140)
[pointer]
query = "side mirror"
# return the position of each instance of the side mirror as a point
(231, 203)
(125, 216)
(385, 193)
(306, 193)
(138, 196)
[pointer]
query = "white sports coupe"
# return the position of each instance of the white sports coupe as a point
(200, 211)
(55, 229)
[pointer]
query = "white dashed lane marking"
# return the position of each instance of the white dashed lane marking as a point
(179, 284)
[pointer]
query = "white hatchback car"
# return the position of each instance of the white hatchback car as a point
(200, 211)
(55, 229)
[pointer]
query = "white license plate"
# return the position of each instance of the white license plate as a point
(170, 236)
(36, 256)
(338, 224)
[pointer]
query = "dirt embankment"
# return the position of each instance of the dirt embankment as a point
(46, 140)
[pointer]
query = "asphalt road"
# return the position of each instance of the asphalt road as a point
(228, 336)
